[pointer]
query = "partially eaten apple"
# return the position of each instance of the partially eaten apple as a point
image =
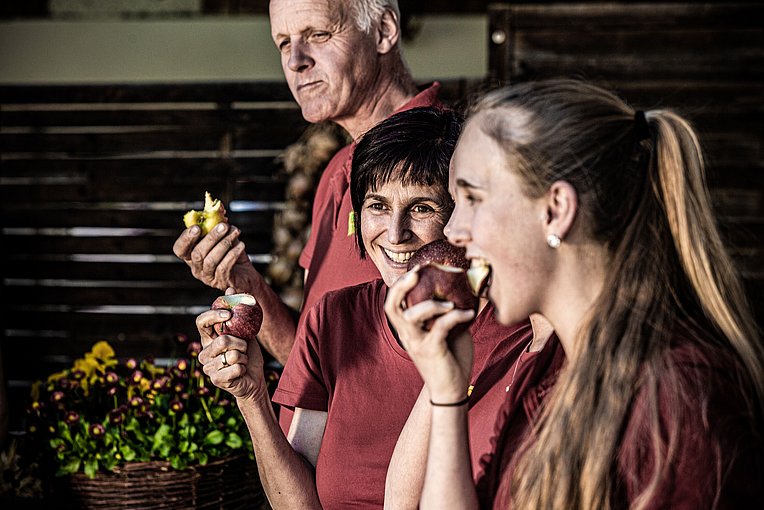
(212, 214)
(442, 277)
(246, 316)
(477, 275)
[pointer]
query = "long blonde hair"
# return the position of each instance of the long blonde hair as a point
(642, 193)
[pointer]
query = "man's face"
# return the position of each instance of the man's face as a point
(328, 63)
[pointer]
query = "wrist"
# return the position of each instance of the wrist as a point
(448, 398)
(453, 403)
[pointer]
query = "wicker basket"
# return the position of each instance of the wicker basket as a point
(229, 483)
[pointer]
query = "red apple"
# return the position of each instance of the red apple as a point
(440, 252)
(442, 277)
(246, 316)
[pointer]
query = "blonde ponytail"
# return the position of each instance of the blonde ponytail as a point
(708, 267)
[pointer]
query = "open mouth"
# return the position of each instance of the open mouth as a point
(402, 257)
(479, 276)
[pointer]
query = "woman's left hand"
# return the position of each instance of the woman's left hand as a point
(444, 363)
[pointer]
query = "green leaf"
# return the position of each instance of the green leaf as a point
(203, 458)
(70, 467)
(127, 453)
(233, 440)
(177, 462)
(215, 437)
(91, 467)
(161, 435)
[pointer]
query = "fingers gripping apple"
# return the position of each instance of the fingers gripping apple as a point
(246, 316)
(212, 214)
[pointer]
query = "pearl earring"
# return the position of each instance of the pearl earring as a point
(553, 240)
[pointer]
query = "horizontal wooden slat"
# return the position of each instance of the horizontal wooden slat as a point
(86, 293)
(628, 16)
(169, 269)
(143, 139)
(158, 244)
(223, 93)
(157, 322)
(252, 222)
(131, 188)
(256, 114)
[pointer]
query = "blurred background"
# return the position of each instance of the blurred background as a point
(117, 116)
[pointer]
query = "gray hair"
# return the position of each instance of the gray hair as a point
(366, 12)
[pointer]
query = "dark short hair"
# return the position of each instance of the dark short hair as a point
(413, 147)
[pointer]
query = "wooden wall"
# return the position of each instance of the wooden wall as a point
(704, 60)
(95, 180)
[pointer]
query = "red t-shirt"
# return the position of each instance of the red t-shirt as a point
(719, 462)
(346, 361)
(331, 255)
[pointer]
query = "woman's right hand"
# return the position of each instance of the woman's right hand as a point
(444, 363)
(243, 376)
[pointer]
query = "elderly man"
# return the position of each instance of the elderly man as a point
(342, 61)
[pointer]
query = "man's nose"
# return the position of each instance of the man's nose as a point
(299, 57)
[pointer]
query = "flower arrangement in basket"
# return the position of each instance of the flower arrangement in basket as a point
(100, 414)
(102, 418)
(121, 435)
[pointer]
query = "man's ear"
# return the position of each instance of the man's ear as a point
(388, 32)
(561, 208)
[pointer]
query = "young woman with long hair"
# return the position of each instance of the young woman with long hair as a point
(598, 217)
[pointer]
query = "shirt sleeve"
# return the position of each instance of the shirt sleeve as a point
(302, 383)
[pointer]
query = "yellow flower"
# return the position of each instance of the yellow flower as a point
(58, 375)
(87, 365)
(102, 351)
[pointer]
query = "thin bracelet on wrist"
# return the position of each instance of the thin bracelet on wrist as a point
(451, 404)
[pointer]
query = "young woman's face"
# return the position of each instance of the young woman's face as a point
(497, 222)
(396, 220)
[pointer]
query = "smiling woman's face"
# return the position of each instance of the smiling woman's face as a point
(396, 220)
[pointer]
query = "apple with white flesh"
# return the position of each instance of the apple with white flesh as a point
(212, 214)
(477, 275)
(442, 277)
(246, 316)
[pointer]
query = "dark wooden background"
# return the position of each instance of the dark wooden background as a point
(95, 181)
(705, 60)
(95, 178)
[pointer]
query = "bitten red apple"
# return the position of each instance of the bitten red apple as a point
(440, 252)
(246, 316)
(442, 277)
(212, 214)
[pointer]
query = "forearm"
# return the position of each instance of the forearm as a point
(448, 479)
(279, 321)
(288, 479)
(405, 475)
